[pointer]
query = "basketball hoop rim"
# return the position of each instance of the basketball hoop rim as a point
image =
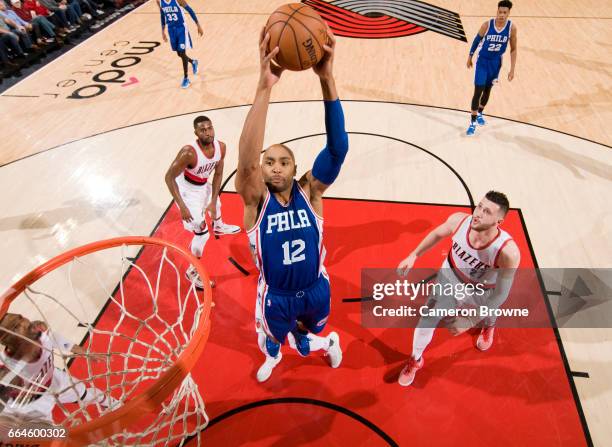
(150, 400)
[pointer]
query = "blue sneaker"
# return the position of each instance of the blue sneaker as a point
(186, 83)
(194, 66)
(471, 130)
(302, 344)
(480, 120)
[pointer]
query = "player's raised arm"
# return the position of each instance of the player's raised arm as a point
(327, 165)
(185, 158)
(249, 182)
(436, 235)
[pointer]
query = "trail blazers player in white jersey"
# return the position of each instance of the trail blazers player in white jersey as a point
(188, 180)
(481, 253)
(30, 384)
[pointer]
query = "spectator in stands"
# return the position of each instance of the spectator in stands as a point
(4, 54)
(22, 26)
(65, 10)
(44, 30)
(90, 7)
(59, 19)
(9, 41)
(15, 29)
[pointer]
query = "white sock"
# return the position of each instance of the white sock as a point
(421, 338)
(261, 342)
(317, 343)
(198, 242)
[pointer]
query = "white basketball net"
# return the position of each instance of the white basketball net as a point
(143, 329)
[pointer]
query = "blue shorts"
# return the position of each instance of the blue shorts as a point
(179, 37)
(487, 70)
(278, 311)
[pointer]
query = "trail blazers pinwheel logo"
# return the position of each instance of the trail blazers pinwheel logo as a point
(382, 19)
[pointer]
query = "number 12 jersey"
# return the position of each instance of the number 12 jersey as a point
(287, 242)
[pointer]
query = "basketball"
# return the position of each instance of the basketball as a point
(300, 33)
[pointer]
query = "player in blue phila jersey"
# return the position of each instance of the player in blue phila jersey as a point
(284, 220)
(492, 39)
(173, 15)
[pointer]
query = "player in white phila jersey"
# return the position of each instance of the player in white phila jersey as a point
(481, 254)
(188, 181)
(30, 384)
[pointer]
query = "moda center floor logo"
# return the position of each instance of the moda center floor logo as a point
(375, 19)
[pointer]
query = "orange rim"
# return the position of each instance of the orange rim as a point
(150, 400)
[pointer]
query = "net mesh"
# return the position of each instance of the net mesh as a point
(148, 321)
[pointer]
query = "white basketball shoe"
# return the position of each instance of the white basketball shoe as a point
(110, 402)
(222, 228)
(334, 352)
(193, 276)
(265, 370)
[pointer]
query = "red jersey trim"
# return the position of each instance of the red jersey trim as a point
(499, 252)
(460, 224)
(488, 244)
(194, 178)
(202, 149)
(308, 201)
(262, 212)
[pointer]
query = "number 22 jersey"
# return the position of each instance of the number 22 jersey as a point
(287, 242)
(495, 42)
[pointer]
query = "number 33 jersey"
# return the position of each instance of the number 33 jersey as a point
(287, 242)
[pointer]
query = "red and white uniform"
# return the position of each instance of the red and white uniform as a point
(471, 265)
(195, 186)
(42, 383)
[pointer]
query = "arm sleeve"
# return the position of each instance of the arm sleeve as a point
(191, 13)
(329, 161)
(475, 43)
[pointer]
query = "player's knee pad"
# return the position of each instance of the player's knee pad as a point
(272, 347)
(181, 54)
(198, 242)
(478, 90)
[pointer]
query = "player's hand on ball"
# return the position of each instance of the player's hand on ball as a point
(404, 267)
(469, 62)
(186, 215)
(324, 69)
(270, 72)
(511, 75)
